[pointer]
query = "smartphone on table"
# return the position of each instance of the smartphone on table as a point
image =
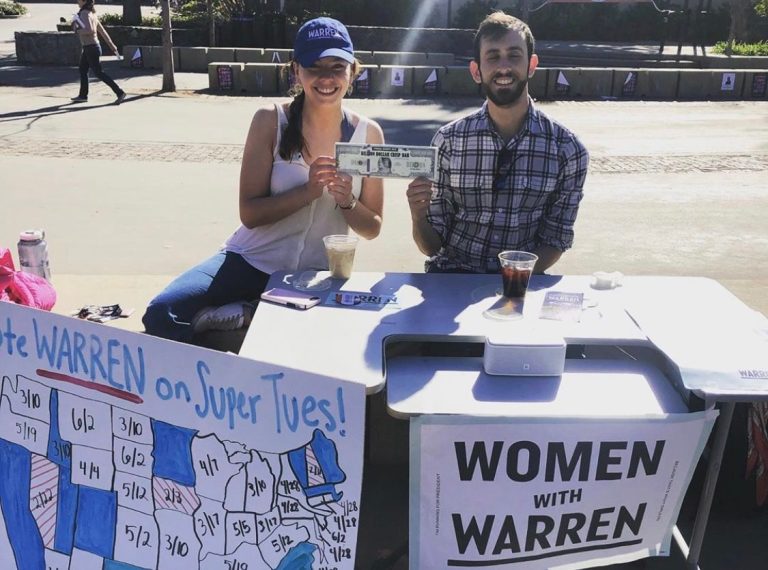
(289, 298)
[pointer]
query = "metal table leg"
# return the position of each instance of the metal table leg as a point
(708, 492)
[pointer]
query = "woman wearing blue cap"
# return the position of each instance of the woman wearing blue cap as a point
(291, 194)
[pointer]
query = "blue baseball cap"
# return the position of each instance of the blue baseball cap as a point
(322, 37)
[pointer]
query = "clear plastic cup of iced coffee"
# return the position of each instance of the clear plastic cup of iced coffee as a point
(340, 250)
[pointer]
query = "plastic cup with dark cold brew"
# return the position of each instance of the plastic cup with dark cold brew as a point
(340, 250)
(516, 270)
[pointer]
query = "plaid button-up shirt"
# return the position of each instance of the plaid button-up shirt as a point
(490, 197)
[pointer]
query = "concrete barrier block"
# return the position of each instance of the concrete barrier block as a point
(143, 57)
(260, 78)
(285, 78)
(364, 57)
(428, 80)
(559, 83)
(250, 55)
(756, 85)
(660, 84)
(218, 54)
(277, 55)
(693, 84)
(438, 58)
(596, 83)
(225, 76)
(579, 83)
(706, 84)
(726, 85)
(537, 85)
(129, 53)
(393, 81)
(365, 84)
(399, 58)
(193, 59)
(458, 82)
(153, 57)
(626, 84)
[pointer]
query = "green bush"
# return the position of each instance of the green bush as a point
(199, 20)
(117, 20)
(177, 20)
(760, 48)
(12, 8)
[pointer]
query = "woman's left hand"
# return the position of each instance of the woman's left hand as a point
(340, 188)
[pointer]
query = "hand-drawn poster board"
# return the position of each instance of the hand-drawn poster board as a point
(226, 77)
(120, 451)
(759, 83)
(548, 493)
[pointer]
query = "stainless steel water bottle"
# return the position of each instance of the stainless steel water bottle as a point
(33, 253)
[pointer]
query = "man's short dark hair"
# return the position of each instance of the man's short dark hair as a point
(497, 25)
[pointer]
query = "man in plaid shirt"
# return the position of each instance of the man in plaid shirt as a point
(509, 177)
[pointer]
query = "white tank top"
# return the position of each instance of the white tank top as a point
(295, 242)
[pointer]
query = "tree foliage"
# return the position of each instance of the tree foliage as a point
(396, 13)
(472, 13)
(743, 21)
(12, 9)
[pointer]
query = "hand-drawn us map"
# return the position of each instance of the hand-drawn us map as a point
(119, 451)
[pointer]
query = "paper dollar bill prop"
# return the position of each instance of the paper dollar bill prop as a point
(385, 161)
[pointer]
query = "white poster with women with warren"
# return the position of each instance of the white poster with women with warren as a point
(548, 493)
(120, 451)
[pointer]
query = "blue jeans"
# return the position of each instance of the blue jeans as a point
(89, 59)
(222, 279)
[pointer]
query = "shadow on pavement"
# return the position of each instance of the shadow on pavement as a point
(17, 75)
(70, 107)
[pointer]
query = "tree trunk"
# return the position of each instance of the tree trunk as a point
(211, 24)
(740, 10)
(169, 83)
(525, 10)
(131, 12)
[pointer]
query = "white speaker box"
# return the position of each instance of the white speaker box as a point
(529, 355)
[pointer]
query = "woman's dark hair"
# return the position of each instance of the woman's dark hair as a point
(88, 5)
(292, 141)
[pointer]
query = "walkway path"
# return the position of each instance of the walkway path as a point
(160, 152)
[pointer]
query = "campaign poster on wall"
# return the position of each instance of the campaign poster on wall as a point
(226, 78)
(120, 451)
(546, 493)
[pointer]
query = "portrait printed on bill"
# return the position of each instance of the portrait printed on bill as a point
(385, 161)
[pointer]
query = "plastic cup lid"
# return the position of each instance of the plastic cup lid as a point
(31, 235)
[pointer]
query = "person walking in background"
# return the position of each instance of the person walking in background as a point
(88, 29)
(291, 194)
(508, 177)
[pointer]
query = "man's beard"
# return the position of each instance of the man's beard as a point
(504, 96)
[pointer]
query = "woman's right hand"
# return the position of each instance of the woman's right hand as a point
(321, 172)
